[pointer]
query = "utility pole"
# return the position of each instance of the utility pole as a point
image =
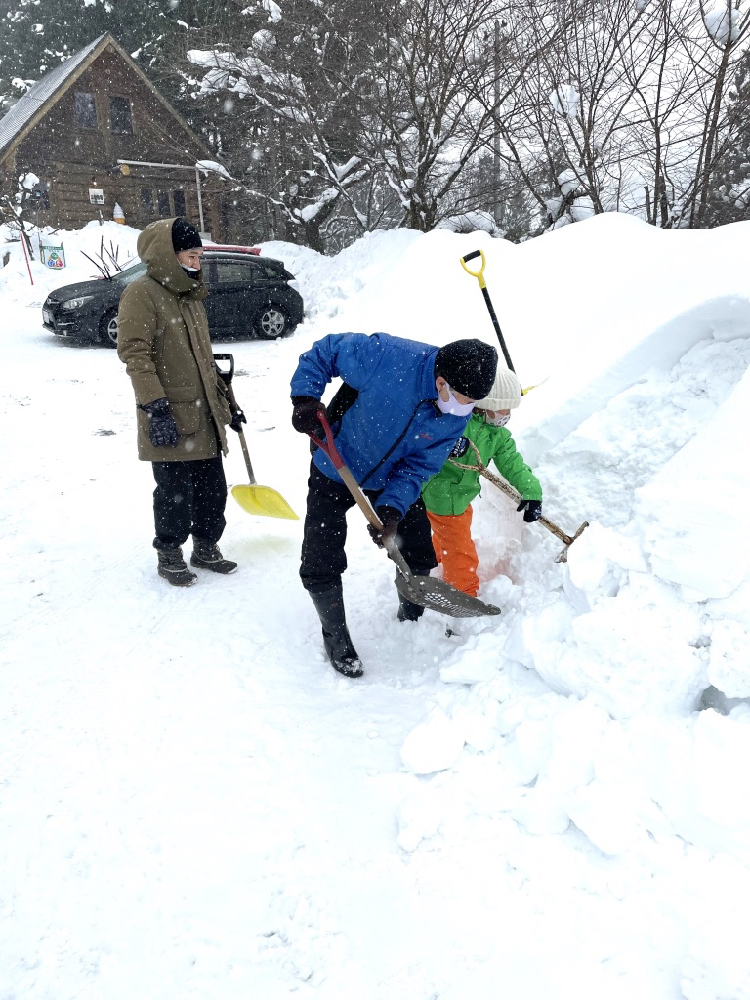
(273, 172)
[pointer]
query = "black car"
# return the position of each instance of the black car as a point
(248, 296)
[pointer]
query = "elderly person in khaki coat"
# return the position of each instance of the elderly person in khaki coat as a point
(182, 406)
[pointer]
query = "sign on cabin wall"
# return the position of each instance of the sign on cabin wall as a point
(96, 196)
(53, 257)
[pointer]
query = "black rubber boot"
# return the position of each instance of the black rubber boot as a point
(174, 568)
(338, 643)
(207, 555)
(408, 612)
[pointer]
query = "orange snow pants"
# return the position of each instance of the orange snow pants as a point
(455, 549)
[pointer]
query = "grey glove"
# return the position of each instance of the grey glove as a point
(162, 430)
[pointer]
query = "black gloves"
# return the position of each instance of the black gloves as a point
(238, 418)
(305, 415)
(390, 518)
(533, 509)
(162, 430)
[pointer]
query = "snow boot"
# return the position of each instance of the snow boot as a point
(207, 555)
(338, 643)
(407, 611)
(173, 567)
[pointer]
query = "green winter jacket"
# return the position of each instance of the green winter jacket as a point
(452, 489)
(163, 339)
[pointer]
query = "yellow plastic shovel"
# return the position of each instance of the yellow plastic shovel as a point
(261, 500)
(255, 499)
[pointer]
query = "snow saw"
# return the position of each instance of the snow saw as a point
(515, 496)
(423, 590)
(253, 498)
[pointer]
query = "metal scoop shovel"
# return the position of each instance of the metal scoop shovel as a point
(423, 590)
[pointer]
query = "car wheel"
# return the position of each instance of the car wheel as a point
(272, 323)
(108, 328)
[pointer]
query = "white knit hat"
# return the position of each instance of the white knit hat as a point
(505, 393)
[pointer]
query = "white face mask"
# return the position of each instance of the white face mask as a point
(452, 405)
(191, 272)
(499, 420)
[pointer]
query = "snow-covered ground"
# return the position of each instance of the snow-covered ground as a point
(193, 805)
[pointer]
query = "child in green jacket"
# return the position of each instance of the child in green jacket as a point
(448, 495)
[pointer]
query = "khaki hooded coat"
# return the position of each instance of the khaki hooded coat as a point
(163, 340)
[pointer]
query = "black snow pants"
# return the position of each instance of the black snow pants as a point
(190, 499)
(323, 555)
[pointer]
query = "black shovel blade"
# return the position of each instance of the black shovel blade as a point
(440, 596)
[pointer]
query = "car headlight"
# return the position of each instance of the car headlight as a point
(70, 304)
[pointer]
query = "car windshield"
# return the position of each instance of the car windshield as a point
(130, 273)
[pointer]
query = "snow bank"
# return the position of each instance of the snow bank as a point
(15, 283)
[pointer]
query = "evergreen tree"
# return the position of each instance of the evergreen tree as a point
(729, 200)
(37, 35)
(283, 105)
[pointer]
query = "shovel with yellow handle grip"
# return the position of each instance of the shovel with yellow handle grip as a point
(479, 275)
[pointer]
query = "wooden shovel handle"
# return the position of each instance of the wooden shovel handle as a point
(515, 495)
(329, 447)
(243, 443)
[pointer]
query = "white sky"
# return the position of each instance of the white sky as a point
(193, 805)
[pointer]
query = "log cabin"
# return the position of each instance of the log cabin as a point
(62, 143)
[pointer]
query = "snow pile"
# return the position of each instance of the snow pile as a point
(636, 429)
(93, 240)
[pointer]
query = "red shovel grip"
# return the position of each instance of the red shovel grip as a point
(329, 445)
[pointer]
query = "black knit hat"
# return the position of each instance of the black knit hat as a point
(185, 236)
(468, 366)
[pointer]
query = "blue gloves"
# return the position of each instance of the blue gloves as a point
(162, 430)
(533, 509)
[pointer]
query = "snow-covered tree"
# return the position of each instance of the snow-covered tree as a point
(729, 197)
(633, 98)
(291, 84)
(361, 111)
(37, 35)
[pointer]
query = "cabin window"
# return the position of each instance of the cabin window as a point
(162, 198)
(120, 119)
(179, 202)
(86, 117)
(147, 197)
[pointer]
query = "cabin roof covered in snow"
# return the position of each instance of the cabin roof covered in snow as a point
(46, 88)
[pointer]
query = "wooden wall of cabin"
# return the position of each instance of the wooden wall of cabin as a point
(70, 158)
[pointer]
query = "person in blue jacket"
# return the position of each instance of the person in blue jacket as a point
(406, 403)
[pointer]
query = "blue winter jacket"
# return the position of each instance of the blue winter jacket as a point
(396, 406)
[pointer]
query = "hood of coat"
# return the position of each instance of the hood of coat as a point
(157, 253)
